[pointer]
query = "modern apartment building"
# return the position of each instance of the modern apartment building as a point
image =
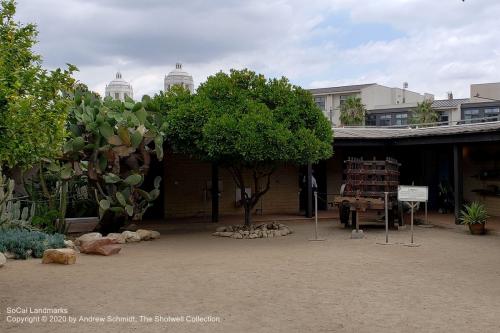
(394, 106)
(374, 96)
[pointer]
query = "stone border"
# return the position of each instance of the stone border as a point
(263, 230)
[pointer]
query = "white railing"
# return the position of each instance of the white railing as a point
(461, 122)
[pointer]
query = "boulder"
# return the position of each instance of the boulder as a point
(131, 236)
(103, 246)
(220, 229)
(237, 235)
(3, 259)
(59, 256)
(225, 234)
(117, 237)
(252, 236)
(87, 237)
(144, 234)
(9, 255)
(155, 234)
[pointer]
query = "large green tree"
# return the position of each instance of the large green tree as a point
(33, 101)
(352, 111)
(424, 113)
(250, 126)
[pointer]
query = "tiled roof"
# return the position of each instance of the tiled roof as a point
(393, 133)
(449, 103)
(340, 89)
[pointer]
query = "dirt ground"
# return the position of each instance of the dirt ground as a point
(451, 283)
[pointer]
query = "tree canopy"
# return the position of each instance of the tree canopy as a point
(33, 101)
(242, 121)
(352, 111)
(424, 113)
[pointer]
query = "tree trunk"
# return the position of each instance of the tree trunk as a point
(248, 213)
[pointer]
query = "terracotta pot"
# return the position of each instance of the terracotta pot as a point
(477, 228)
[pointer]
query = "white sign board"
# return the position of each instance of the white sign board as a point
(413, 193)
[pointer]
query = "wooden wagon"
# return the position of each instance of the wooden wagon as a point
(364, 188)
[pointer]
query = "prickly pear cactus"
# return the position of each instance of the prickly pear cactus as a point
(112, 143)
(12, 214)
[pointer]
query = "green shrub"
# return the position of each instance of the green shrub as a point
(24, 242)
(45, 219)
(475, 213)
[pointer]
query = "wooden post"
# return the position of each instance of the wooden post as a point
(458, 180)
(309, 194)
(215, 192)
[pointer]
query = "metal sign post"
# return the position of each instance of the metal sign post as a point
(413, 195)
(316, 219)
(386, 194)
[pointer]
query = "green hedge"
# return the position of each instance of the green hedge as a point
(20, 242)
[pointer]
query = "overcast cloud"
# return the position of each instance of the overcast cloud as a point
(436, 46)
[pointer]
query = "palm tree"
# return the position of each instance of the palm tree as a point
(352, 111)
(424, 113)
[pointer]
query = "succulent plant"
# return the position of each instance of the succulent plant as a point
(12, 214)
(111, 143)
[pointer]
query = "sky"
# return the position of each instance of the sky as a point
(435, 46)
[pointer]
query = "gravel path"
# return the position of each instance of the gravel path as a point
(451, 283)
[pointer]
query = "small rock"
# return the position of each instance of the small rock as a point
(252, 236)
(225, 234)
(87, 237)
(117, 237)
(9, 255)
(155, 234)
(220, 229)
(103, 246)
(131, 236)
(69, 244)
(3, 259)
(144, 234)
(237, 235)
(59, 256)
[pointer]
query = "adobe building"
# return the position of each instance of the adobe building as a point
(462, 154)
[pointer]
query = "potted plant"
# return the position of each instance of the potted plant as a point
(475, 216)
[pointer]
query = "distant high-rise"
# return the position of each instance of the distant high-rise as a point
(119, 88)
(179, 77)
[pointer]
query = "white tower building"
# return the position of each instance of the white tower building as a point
(179, 77)
(119, 88)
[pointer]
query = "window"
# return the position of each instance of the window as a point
(371, 120)
(125, 95)
(320, 102)
(491, 114)
(401, 119)
(471, 116)
(385, 120)
(443, 118)
(343, 98)
(117, 95)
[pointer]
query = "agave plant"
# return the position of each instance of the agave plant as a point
(475, 213)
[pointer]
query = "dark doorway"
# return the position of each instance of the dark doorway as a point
(319, 173)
